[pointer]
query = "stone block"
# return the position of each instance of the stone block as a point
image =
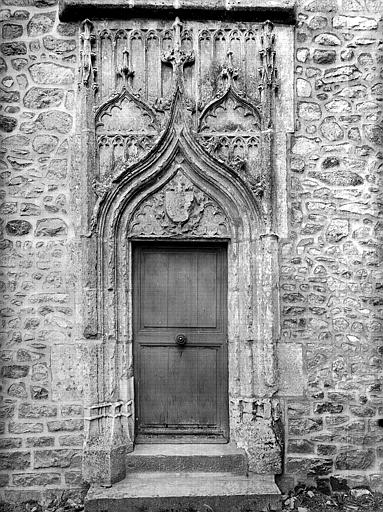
(14, 371)
(300, 446)
(25, 428)
(50, 227)
(41, 24)
(60, 458)
(15, 460)
(8, 443)
(309, 466)
(304, 426)
(34, 410)
(7, 410)
(71, 440)
(13, 48)
(4, 479)
(72, 410)
(73, 478)
(354, 459)
(42, 98)
(290, 365)
(49, 73)
(65, 425)
(35, 479)
(39, 442)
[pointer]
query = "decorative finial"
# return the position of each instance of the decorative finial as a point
(125, 70)
(229, 73)
(177, 57)
(87, 56)
(268, 72)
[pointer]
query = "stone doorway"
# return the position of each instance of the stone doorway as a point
(183, 109)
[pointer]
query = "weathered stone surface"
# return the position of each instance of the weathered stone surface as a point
(303, 88)
(327, 40)
(14, 371)
(59, 46)
(39, 393)
(338, 106)
(331, 130)
(71, 440)
(62, 458)
(57, 169)
(321, 6)
(304, 426)
(25, 428)
(7, 410)
(309, 466)
(39, 442)
(304, 146)
(9, 443)
(35, 479)
(41, 24)
(11, 31)
(49, 73)
(34, 410)
(13, 48)
(72, 410)
(44, 144)
(374, 133)
(17, 390)
(324, 56)
(38, 98)
(50, 227)
(354, 459)
(339, 178)
(309, 111)
(7, 124)
(355, 23)
(341, 74)
(65, 425)
(15, 460)
(300, 446)
(55, 120)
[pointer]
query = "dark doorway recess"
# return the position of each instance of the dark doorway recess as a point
(180, 342)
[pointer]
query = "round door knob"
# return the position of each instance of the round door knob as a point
(181, 339)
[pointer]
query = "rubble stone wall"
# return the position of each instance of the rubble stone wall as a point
(331, 274)
(331, 285)
(41, 442)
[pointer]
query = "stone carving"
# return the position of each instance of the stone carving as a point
(268, 71)
(126, 129)
(178, 57)
(125, 70)
(87, 55)
(229, 128)
(179, 209)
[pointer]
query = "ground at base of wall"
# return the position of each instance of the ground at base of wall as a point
(58, 501)
(310, 499)
(301, 499)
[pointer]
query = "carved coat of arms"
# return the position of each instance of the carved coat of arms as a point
(179, 197)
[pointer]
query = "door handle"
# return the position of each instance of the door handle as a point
(181, 339)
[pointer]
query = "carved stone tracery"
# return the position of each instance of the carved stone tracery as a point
(179, 209)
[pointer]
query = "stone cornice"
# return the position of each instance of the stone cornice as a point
(282, 11)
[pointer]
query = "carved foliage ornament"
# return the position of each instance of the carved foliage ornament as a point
(179, 209)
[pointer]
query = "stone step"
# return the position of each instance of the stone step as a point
(187, 458)
(187, 492)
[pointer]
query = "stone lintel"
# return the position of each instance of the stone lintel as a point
(280, 11)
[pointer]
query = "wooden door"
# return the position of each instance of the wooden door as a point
(181, 383)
